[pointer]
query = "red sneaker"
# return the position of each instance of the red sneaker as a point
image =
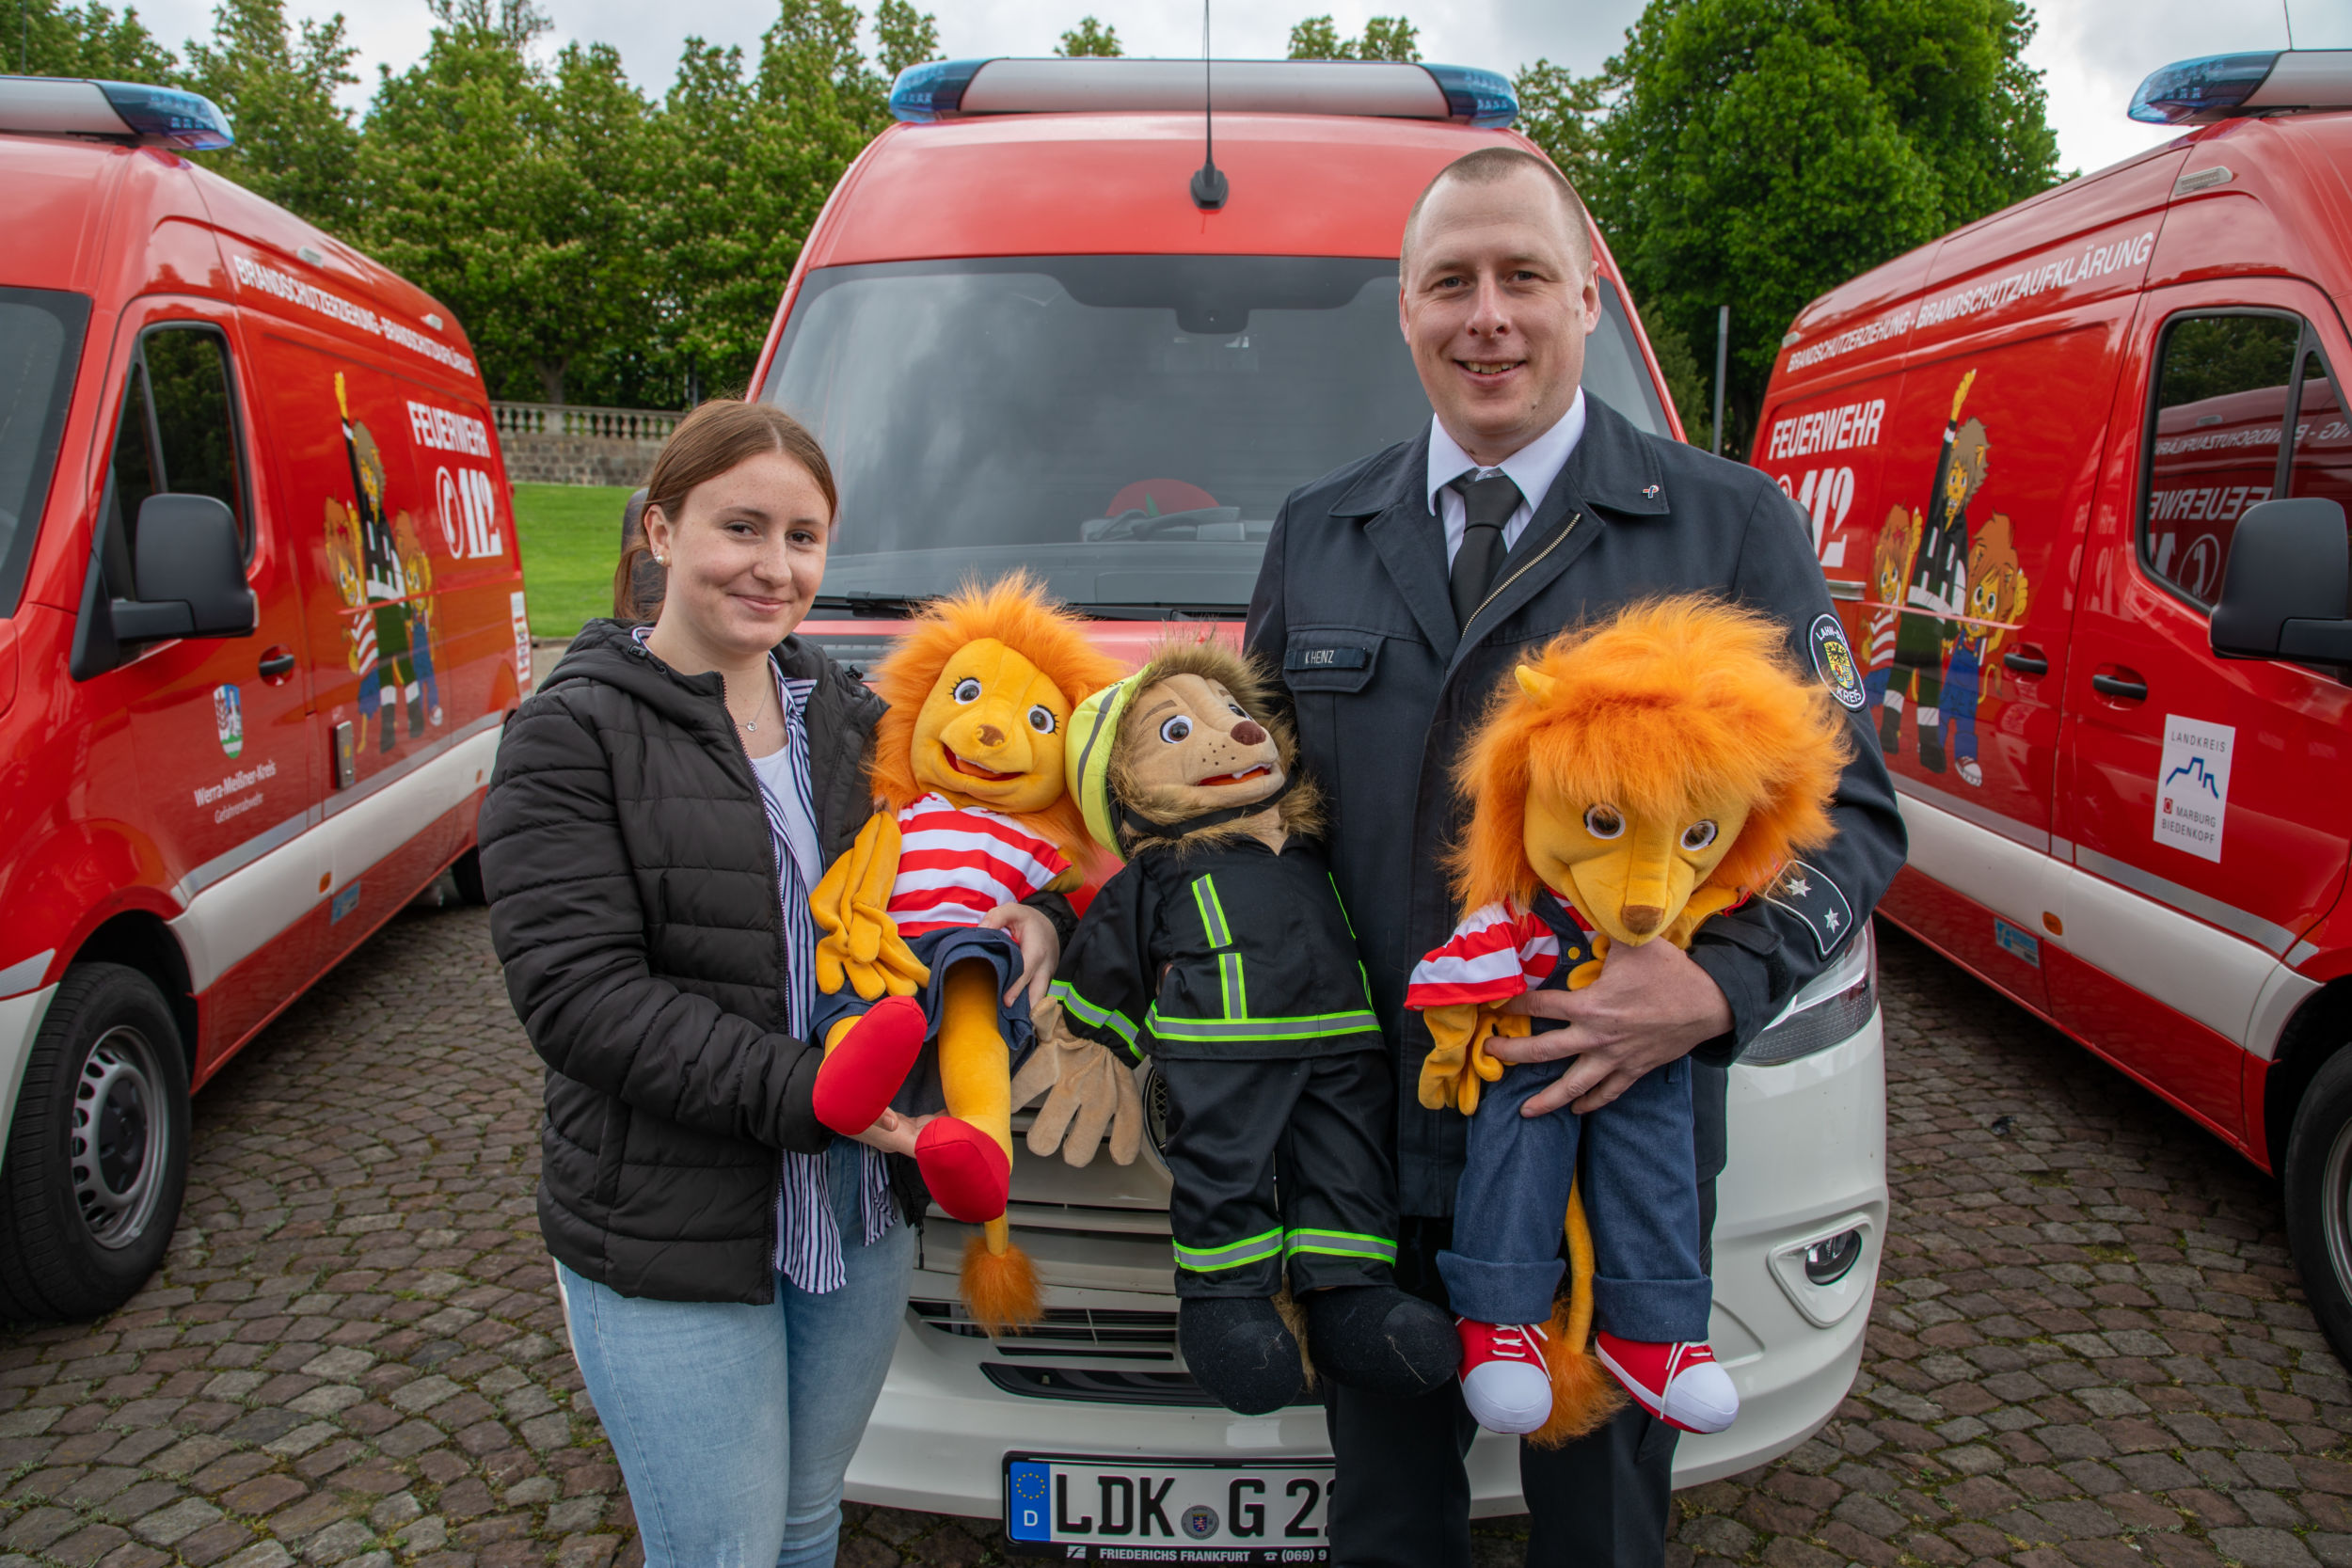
(967, 1171)
(1681, 1385)
(857, 1078)
(1503, 1379)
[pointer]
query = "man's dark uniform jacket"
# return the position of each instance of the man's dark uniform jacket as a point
(1352, 608)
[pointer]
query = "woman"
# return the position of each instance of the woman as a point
(734, 1276)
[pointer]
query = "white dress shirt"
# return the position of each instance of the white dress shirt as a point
(1532, 468)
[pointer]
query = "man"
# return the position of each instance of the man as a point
(1396, 594)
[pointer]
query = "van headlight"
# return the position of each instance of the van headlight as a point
(1831, 1007)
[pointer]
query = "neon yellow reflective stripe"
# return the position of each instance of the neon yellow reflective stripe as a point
(1102, 1018)
(1341, 902)
(1250, 1249)
(1341, 1243)
(1212, 913)
(1320, 1026)
(1235, 986)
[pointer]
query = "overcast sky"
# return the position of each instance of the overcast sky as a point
(2093, 51)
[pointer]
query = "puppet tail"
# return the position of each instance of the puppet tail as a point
(1584, 1395)
(999, 1282)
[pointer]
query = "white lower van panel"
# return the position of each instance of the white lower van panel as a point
(2184, 964)
(365, 830)
(235, 917)
(2006, 877)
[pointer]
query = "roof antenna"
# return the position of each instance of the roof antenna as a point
(2286, 9)
(1208, 182)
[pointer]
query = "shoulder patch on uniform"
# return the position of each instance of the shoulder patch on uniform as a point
(1806, 893)
(1833, 661)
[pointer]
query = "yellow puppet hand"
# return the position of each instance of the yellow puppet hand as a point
(861, 947)
(1705, 902)
(1458, 1063)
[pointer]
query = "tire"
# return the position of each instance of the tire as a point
(2318, 1186)
(97, 1158)
(466, 871)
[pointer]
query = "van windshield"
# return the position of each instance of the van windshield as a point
(1124, 426)
(40, 344)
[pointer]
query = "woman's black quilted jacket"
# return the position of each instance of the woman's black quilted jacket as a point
(633, 903)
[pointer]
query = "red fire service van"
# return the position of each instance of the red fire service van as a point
(1025, 343)
(260, 616)
(2079, 472)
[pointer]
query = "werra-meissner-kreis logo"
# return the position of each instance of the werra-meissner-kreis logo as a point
(228, 718)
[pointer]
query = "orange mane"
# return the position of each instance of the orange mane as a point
(1672, 702)
(1015, 611)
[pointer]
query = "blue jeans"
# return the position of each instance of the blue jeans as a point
(1641, 1194)
(1963, 678)
(735, 1424)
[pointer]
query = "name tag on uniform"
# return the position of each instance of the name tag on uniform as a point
(1326, 659)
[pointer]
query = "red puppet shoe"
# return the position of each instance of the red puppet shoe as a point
(857, 1078)
(1680, 1384)
(1504, 1380)
(967, 1171)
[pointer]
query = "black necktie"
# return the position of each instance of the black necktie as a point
(1486, 505)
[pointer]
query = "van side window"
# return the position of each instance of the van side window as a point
(2224, 386)
(178, 434)
(2320, 464)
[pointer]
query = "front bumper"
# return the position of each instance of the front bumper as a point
(1809, 1142)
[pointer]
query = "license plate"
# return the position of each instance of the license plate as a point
(1176, 1511)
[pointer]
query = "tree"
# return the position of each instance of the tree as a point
(1756, 152)
(86, 41)
(295, 145)
(509, 191)
(1089, 38)
(1385, 38)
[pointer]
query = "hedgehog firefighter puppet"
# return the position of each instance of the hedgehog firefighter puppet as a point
(1637, 778)
(1222, 951)
(968, 767)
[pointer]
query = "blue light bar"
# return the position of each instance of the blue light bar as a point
(187, 120)
(2199, 91)
(1481, 96)
(931, 91)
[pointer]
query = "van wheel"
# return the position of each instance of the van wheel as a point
(2319, 1198)
(98, 1155)
(466, 871)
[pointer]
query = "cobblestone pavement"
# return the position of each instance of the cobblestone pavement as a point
(2087, 1349)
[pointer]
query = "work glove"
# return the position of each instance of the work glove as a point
(861, 947)
(1087, 1090)
(1458, 1063)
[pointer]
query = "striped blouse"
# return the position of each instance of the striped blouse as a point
(808, 1238)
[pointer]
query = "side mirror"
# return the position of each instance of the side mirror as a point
(2283, 590)
(190, 570)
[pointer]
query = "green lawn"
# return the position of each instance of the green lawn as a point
(571, 542)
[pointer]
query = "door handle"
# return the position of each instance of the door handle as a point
(2028, 660)
(2125, 687)
(277, 663)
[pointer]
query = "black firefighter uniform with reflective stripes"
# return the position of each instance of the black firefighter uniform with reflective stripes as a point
(1235, 969)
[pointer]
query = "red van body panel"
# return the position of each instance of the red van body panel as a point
(2026, 520)
(194, 785)
(1066, 185)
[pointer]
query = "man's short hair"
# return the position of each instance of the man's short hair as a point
(1491, 165)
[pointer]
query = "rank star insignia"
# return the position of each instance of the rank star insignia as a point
(1806, 893)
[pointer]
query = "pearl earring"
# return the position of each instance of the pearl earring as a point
(661, 560)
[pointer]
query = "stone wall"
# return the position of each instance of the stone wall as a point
(549, 443)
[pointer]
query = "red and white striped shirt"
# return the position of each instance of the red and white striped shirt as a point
(1497, 951)
(958, 862)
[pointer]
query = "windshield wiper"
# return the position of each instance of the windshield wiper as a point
(1163, 612)
(873, 607)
